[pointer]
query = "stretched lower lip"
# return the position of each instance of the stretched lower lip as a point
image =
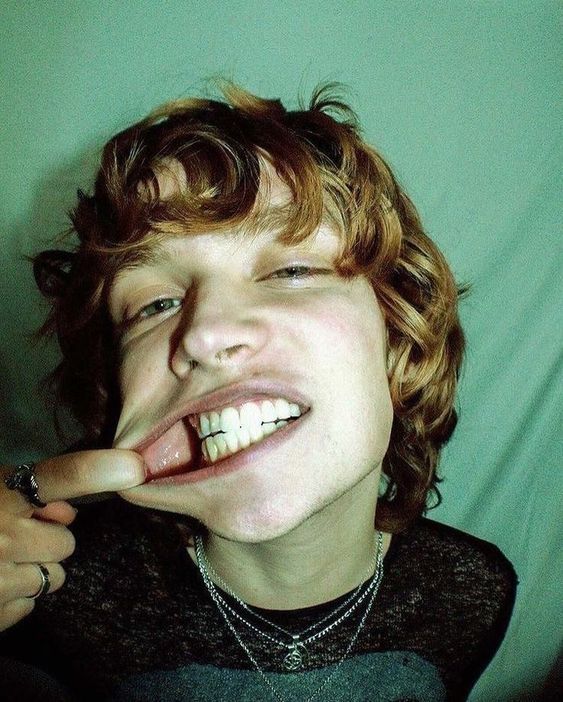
(251, 455)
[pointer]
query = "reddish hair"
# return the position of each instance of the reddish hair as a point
(333, 175)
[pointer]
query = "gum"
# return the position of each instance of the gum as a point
(176, 451)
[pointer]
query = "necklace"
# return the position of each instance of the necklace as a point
(297, 653)
(297, 649)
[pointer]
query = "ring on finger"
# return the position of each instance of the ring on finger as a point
(45, 582)
(24, 481)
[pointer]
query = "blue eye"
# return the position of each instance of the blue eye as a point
(159, 306)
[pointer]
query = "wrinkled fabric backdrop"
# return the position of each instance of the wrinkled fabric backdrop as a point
(464, 100)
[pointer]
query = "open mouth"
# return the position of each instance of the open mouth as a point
(204, 439)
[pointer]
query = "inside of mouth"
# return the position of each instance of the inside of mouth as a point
(177, 451)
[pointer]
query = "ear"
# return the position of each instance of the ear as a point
(51, 270)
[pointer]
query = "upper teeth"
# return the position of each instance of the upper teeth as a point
(249, 416)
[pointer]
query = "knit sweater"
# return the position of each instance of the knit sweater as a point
(135, 622)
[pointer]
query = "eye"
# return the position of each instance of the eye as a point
(294, 272)
(159, 306)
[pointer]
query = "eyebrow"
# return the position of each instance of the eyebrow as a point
(151, 255)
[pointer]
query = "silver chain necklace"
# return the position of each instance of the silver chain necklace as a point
(297, 655)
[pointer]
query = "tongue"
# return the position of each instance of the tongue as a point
(176, 451)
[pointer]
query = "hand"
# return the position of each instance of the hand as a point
(29, 535)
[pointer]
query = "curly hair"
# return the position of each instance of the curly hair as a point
(333, 175)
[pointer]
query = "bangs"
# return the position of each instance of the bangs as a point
(200, 166)
(209, 186)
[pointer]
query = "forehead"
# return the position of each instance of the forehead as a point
(238, 247)
(268, 231)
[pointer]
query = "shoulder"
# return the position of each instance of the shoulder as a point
(455, 550)
(458, 573)
(448, 596)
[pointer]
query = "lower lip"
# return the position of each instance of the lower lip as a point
(254, 453)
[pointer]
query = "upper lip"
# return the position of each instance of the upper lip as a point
(234, 394)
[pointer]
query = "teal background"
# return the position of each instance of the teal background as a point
(464, 100)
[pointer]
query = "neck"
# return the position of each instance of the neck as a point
(323, 558)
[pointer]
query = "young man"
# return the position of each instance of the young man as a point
(255, 322)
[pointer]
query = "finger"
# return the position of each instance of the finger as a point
(25, 540)
(61, 512)
(25, 580)
(13, 611)
(78, 474)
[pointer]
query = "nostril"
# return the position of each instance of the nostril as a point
(181, 361)
(225, 354)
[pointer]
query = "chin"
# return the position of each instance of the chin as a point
(267, 520)
(244, 522)
(253, 528)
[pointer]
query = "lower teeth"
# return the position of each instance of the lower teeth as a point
(225, 444)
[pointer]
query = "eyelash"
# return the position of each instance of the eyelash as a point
(294, 273)
(305, 270)
(176, 302)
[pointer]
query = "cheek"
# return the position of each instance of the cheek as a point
(344, 328)
(140, 372)
(331, 317)
(351, 341)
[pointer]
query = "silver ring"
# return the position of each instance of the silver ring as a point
(24, 481)
(45, 582)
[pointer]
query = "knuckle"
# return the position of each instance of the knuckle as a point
(6, 546)
(61, 473)
(8, 541)
(69, 469)
(67, 544)
(6, 580)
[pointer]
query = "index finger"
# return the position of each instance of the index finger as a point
(78, 474)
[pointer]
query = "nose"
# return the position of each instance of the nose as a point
(219, 328)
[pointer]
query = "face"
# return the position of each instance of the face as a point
(222, 320)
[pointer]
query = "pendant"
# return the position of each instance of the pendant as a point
(297, 656)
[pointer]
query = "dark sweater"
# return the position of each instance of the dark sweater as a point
(135, 622)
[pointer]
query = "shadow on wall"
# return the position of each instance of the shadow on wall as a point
(552, 690)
